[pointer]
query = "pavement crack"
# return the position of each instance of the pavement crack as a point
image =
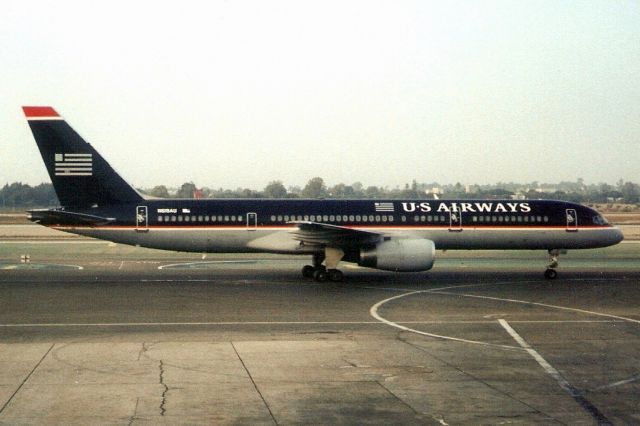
(26, 378)
(403, 402)
(135, 412)
(143, 351)
(165, 390)
(254, 384)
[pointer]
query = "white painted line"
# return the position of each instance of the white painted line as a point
(548, 368)
(634, 378)
(374, 313)
(132, 324)
(543, 363)
(545, 305)
(210, 262)
(52, 242)
(26, 265)
(135, 324)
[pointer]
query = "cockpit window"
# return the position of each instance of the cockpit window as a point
(599, 220)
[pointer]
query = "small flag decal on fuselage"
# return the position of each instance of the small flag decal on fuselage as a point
(384, 207)
(73, 164)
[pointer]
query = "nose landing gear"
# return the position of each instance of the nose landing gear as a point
(551, 272)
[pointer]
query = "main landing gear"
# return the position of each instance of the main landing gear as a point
(551, 272)
(322, 273)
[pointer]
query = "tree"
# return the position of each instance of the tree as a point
(186, 190)
(630, 192)
(275, 189)
(315, 188)
(159, 191)
(342, 191)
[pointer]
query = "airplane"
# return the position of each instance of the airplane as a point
(392, 235)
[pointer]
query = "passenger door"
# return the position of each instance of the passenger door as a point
(142, 220)
(252, 221)
(455, 221)
(572, 220)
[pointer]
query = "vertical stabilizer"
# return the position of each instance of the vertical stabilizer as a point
(80, 176)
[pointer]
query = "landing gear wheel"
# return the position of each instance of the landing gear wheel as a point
(335, 275)
(320, 275)
(550, 274)
(307, 271)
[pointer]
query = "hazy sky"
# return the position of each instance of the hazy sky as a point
(239, 93)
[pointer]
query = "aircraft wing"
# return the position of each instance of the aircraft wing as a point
(322, 234)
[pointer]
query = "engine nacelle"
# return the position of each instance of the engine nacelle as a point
(400, 255)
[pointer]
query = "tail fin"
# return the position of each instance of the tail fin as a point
(80, 176)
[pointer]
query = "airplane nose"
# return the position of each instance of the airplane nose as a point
(616, 235)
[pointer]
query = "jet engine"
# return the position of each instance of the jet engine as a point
(400, 255)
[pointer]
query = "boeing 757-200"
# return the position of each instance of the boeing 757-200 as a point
(394, 235)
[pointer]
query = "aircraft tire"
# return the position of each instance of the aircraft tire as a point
(320, 275)
(336, 275)
(307, 271)
(550, 274)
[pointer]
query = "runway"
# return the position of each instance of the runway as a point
(138, 336)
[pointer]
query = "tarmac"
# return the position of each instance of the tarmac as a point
(94, 333)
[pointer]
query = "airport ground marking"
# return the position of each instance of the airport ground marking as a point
(550, 370)
(544, 305)
(373, 311)
(226, 323)
(634, 378)
(209, 262)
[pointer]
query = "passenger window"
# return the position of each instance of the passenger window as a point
(403, 218)
(279, 218)
(325, 218)
(159, 218)
(173, 218)
(351, 218)
(391, 218)
(180, 218)
(371, 218)
(332, 218)
(186, 219)
(358, 218)
(206, 218)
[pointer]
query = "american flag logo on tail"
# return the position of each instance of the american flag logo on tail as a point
(384, 207)
(73, 164)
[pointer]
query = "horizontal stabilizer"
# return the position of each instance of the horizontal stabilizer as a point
(62, 217)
